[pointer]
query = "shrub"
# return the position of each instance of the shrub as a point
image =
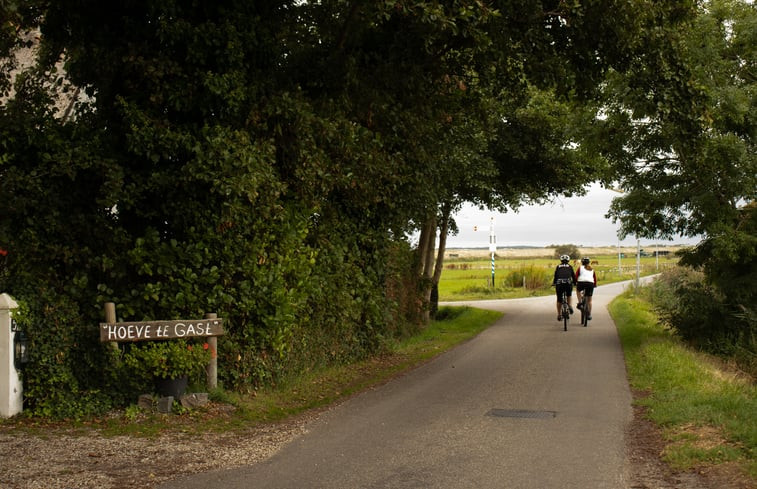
(566, 249)
(703, 316)
(169, 359)
(535, 277)
(66, 375)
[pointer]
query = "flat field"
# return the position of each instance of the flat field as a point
(523, 272)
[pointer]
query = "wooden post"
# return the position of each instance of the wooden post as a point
(212, 368)
(110, 312)
(110, 318)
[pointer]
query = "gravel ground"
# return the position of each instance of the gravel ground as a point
(65, 458)
(82, 458)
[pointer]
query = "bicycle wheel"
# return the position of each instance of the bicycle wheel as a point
(584, 314)
(565, 313)
(587, 317)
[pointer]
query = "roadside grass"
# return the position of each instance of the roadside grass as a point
(708, 411)
(470, 279)
(316, 389)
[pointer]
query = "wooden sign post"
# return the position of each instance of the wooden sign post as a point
(211, 327)
(160, 330)
(212, 368)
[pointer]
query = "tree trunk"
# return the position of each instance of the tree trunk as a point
(439, 265)
(428, 267)
(422, 246)
(443, 229)
(426, 248)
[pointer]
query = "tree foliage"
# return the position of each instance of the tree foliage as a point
(566, 249)
(265, 160)
(684, 126)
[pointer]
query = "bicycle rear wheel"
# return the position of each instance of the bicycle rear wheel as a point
(584, 314)
(565, 313)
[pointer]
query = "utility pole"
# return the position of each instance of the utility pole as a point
(492, 245)
(638, 261)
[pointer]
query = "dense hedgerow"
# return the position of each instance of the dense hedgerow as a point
(702, 315)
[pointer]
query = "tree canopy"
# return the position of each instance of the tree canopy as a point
(265, 160)
(684, 124)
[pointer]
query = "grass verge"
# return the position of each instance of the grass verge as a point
(707, 411)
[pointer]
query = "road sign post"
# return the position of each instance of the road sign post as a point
(492, 246)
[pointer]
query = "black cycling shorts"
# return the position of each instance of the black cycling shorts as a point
(587, 287)
(567, 287)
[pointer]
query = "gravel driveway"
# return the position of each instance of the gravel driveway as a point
(66, 458)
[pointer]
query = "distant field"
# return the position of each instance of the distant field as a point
(528, 272)
(463, 253)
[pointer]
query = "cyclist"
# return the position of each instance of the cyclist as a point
(563, 282)
(586, 280)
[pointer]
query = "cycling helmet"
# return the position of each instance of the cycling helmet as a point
(564, 258)
(585, 260)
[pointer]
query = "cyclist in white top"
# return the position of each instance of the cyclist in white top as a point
(586, 280)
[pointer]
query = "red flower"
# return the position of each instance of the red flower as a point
(3, 252)
(205, 346)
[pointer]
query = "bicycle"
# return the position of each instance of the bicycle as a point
(582, 307)
(565, 310)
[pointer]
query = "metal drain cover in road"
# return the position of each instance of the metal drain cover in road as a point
(521, 413)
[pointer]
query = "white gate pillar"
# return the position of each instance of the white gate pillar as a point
(11, 392)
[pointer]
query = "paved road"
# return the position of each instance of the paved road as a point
(523, 405)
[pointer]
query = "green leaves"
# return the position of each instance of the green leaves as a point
(262, 160)
(167, 359)
(690, 167)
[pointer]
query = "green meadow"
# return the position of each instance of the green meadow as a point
(468, 278)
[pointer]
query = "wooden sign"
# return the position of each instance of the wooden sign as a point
(160, 330)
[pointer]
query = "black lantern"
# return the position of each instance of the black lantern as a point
(20, 346)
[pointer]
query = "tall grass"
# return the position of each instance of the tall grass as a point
(709, 413)
(468, 279)
(529, 277)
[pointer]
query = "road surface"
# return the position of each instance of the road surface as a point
(522, 405)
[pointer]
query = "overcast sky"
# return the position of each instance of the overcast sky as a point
(577, 220)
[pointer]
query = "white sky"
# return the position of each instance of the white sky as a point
(576, 220)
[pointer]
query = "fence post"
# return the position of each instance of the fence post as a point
(212, 368)
(11, 388)
(110, 318)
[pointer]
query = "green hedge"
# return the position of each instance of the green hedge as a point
(704, 316)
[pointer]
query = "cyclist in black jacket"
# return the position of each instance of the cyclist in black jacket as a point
(564, 279)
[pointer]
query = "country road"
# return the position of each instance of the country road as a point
(522, 405)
